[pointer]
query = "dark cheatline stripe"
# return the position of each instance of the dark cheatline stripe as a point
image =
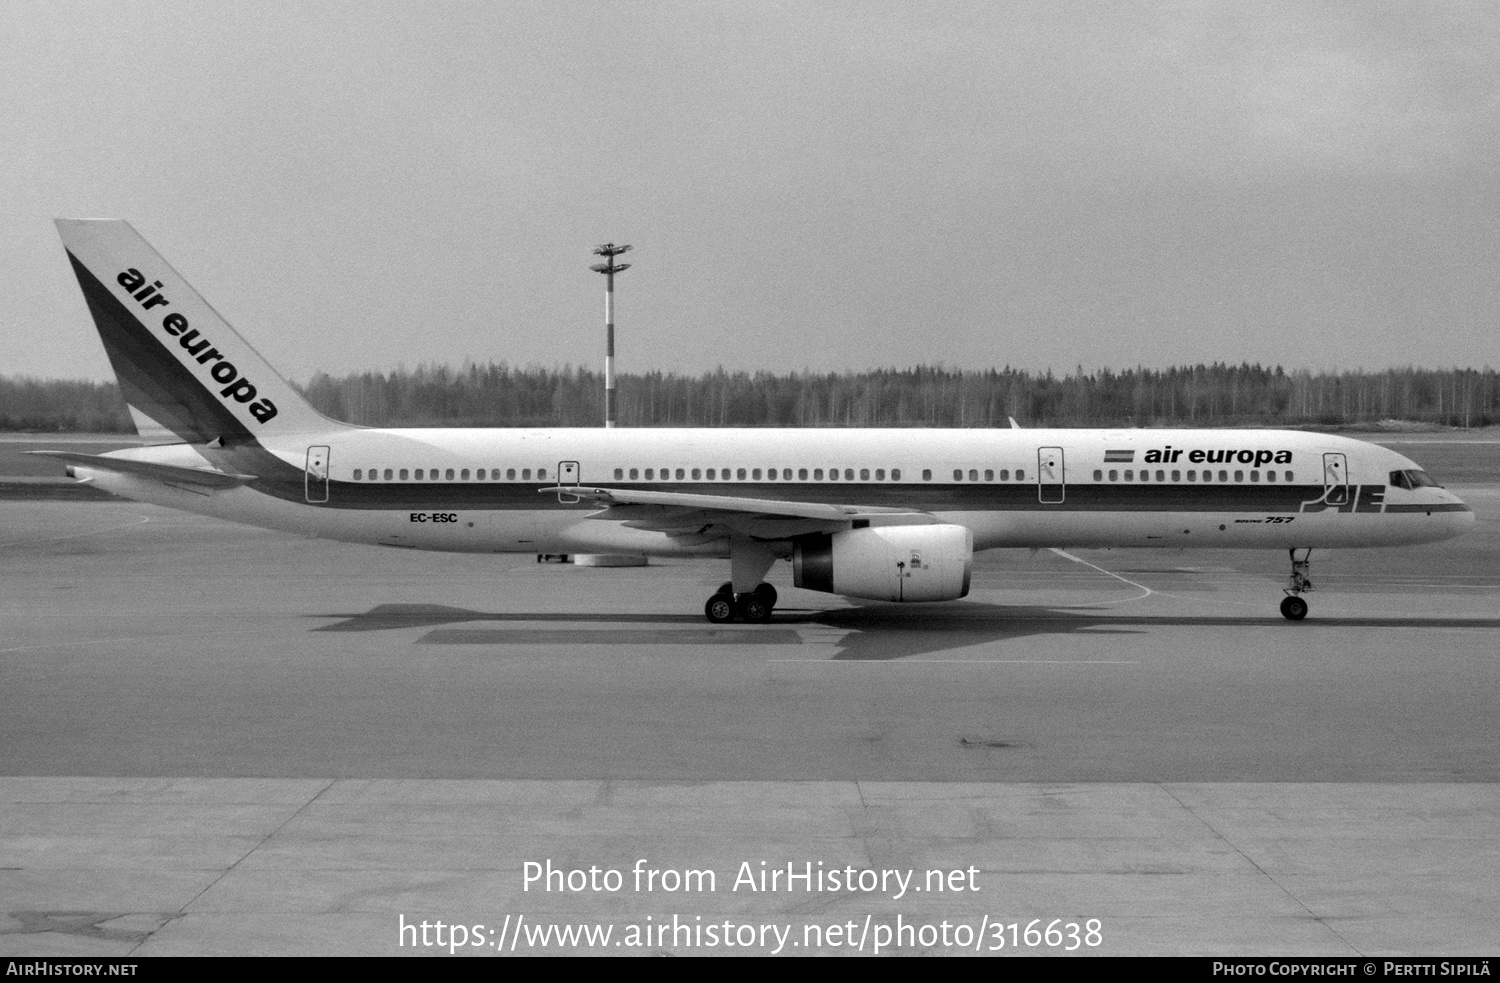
(512, 496)
(1440, 507)
(151, 379)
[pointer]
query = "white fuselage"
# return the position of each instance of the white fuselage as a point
(477, 490)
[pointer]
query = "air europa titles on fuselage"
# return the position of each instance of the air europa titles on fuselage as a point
(223, 372)
(1255, 458)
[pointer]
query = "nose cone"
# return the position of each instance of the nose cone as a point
(1459, 518)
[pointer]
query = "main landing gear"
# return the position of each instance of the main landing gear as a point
(1293, 607)
(754, 607)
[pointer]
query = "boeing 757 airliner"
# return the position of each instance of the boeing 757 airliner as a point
(889, 515)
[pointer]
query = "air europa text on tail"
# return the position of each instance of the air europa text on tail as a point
(223, 371)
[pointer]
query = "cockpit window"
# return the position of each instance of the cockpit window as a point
(1413, 478)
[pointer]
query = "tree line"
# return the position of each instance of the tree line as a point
(501, 395)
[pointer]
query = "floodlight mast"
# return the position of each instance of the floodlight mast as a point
(609, 268)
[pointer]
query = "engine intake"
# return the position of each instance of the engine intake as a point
(887, 563)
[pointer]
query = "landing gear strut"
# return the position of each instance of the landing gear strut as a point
(1293, 607)
(754, 607)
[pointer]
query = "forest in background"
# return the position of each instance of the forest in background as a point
(501, 395)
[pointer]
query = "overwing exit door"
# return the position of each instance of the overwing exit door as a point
(567, 474)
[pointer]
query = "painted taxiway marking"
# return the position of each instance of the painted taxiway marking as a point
(75, 535)
(1147, 592)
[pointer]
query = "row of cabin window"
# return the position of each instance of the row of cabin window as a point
(751, 474)
(449, 474)
(785, 474)
(1191, 475)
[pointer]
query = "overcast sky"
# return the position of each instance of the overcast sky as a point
(807, 185)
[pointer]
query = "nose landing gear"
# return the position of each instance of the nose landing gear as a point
(1293, 607)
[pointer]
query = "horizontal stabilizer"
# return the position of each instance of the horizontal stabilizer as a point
(205, 477)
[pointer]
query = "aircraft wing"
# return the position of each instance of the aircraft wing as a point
(679, 513)
(204, 477)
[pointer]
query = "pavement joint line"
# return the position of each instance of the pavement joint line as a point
(976, 662)
(139, 638)
(182, 912)
(1261, 870)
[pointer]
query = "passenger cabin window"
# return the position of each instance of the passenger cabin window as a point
(464, 475)
(1020, 475)
(541, 472)
(1270, 475)
(525, 474)
(387, 474)
(1255, 476)
(755, 474)
(1114, 476)
(358, 474)
(1239, 476)
(1223, 475)
(895, 474)
(1098, 475)
(740, 474)
(619, 474)
(634, 473)
(1192, 476)
(1005, 474)
(1176, 475)
(864, 474)
(510, 474)
(698, 474)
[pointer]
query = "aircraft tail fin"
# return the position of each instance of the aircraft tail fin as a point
(182, 369)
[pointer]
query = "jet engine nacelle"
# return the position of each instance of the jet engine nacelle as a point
(887, 563)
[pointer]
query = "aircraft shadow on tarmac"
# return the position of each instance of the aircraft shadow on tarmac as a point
(872, 633)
